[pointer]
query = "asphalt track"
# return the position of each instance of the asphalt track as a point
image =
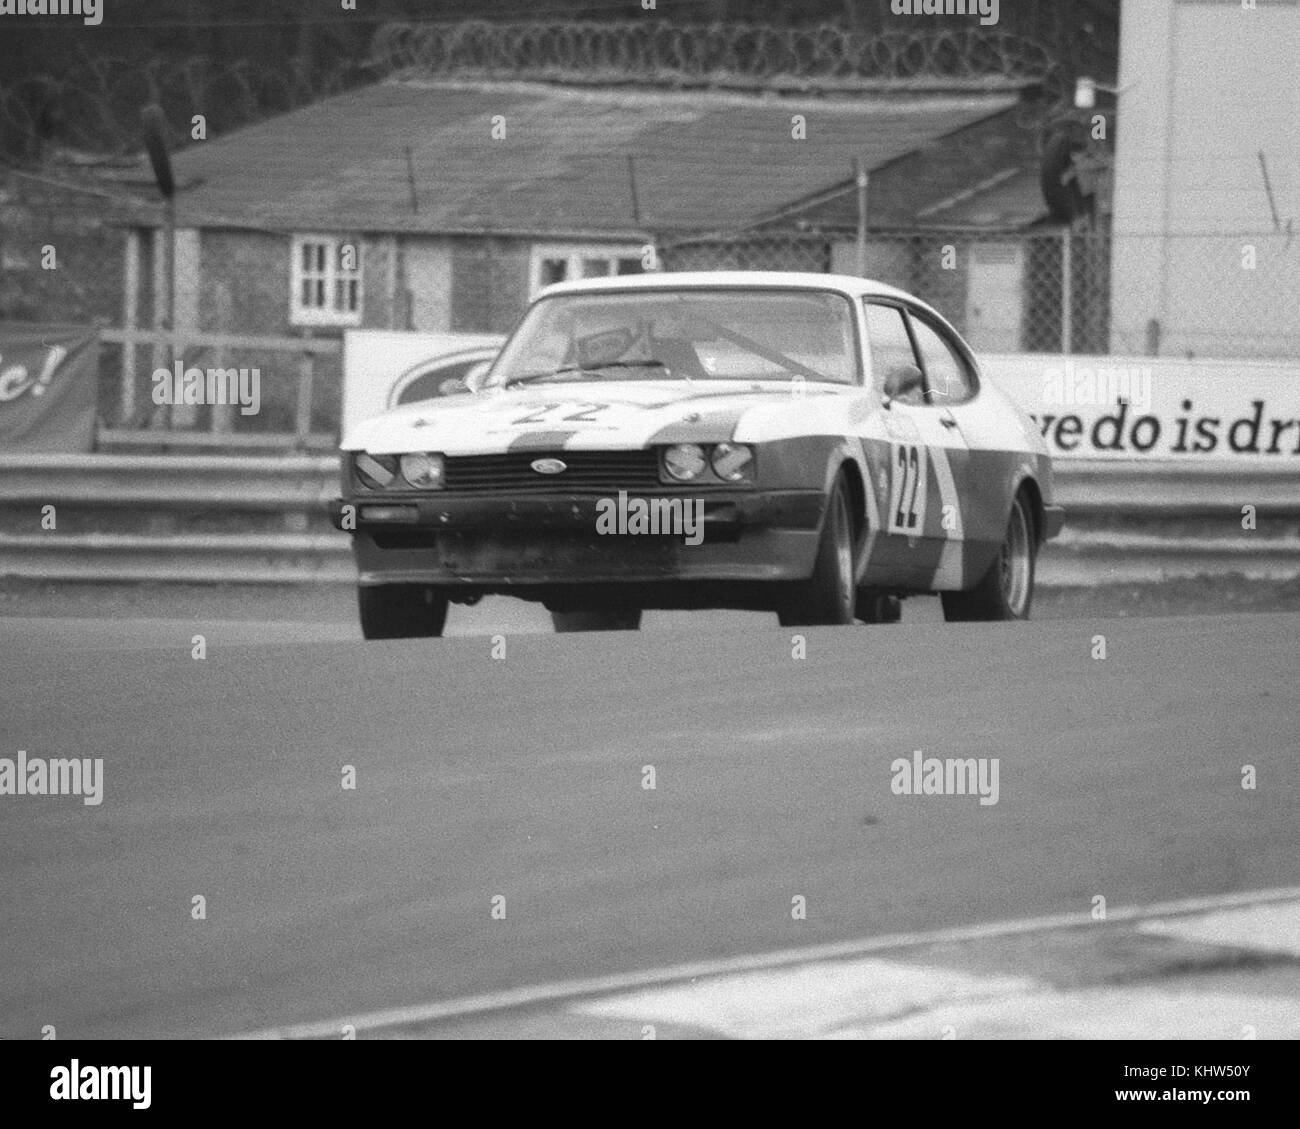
(522, 777)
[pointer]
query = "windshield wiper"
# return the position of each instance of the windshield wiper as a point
(528, 377)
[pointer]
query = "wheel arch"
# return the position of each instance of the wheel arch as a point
(1028, 486)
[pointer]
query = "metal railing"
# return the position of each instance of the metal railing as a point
(299, 401)
(1205, 535)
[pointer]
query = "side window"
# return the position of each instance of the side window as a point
(890, 346)
(947, 377)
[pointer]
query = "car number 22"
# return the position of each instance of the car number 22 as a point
(907, 489)
(561, 413)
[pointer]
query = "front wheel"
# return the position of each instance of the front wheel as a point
(402, 611)
(1007, 589)
(828, 596)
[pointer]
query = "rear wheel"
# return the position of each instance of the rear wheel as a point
(597, 619)
(828, 596)
(402, 611)
(1007, 589)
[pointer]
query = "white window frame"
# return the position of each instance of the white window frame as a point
(573, 254)
(300, 314)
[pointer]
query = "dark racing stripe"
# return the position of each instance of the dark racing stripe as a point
(541, 441)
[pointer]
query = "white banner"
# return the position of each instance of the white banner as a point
(1086, 407)
(385, 368)
(1156, 407)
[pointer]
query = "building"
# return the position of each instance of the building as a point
(1207, 180)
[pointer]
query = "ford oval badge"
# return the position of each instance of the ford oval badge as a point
(549, 466)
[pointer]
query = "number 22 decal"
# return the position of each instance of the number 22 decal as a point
(907, 490)
(562, 413)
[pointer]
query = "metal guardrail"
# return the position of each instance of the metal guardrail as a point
(1086, 554)
(288, 483)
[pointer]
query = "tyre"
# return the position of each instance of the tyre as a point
(402, 611)
(1007, 589)
(828, 596)
(597, 619)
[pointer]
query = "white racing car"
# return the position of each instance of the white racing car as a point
(814, 445)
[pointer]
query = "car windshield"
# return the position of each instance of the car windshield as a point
(686, 334)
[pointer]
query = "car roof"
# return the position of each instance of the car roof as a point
(757, 279)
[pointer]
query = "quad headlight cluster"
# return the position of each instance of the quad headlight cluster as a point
(691, 462)
(419, 471)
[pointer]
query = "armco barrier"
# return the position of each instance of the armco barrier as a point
(1210, 495)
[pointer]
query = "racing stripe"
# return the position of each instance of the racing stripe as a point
(873, 512)
(949, 570)
(541, 440)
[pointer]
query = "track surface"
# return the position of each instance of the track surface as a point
(523, 777)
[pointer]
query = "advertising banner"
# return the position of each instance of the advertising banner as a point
(1086, 407)
(49, 381)
(1156, 407)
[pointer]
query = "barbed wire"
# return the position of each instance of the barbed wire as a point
(95, 105)
(660, 52)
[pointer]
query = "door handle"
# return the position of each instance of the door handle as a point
(947, 421)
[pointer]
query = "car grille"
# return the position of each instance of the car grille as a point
(585, 470)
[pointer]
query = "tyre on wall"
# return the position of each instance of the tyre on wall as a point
(1006, 590)
(402, 611)
(828, 596)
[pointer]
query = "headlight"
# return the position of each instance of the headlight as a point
(684, 462)
(376, 471)
(731, 462)
(424, 472)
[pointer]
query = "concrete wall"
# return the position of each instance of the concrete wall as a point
(1207, 87)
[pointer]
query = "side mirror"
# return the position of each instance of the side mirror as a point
(474, 378)
(902, 379)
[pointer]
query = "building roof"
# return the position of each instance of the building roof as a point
(702, 160)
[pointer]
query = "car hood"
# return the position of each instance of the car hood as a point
(593, 415)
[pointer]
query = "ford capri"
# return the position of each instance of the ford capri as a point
(811, 445)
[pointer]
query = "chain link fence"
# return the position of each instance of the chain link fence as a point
(1014, 291)
(1056, 291)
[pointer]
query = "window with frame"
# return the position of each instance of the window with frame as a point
(326, 281)
(890, 346)
(947, 378)
(560, 262)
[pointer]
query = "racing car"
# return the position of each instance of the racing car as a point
(811, 445)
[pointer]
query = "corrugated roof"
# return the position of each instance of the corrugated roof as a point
(703, 160)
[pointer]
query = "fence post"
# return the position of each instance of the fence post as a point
(860, 178)
(1067, 292)
(306, 377)
(130, 310)
(221, 417)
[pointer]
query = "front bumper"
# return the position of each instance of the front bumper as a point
(497, 543)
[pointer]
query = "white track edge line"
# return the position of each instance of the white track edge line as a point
(622, 982)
